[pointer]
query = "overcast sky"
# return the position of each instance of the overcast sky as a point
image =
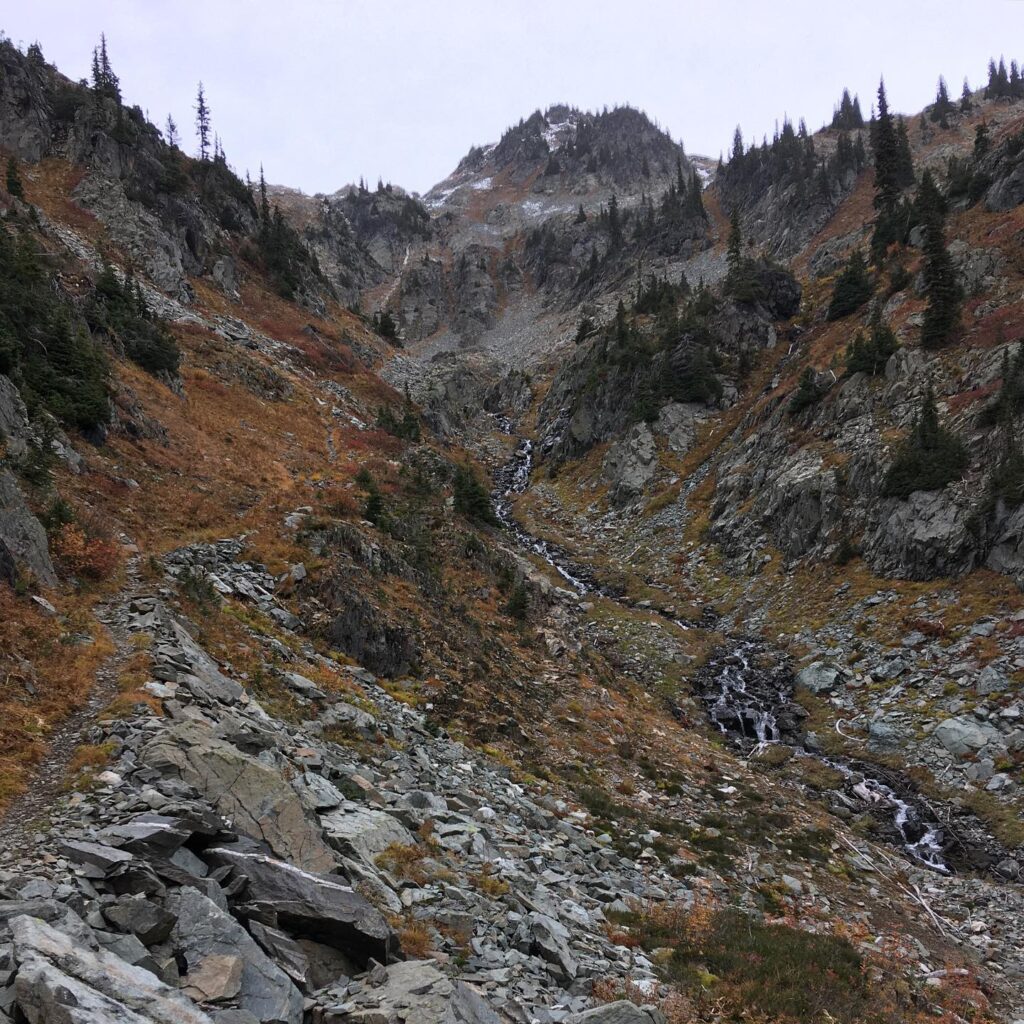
(325, 91)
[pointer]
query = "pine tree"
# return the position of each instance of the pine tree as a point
(614, 223)
(104, 81)
(808, 392)
(13, 180)
(202, 123)
(966, 103)
(869, 355)
(981, 141)
(581, 216)
(852, 289)
(264, 203)
(942, 315)
(734, 246)
(695, 197)
(943, 106)
(885, 143)
(171, 132)
(931, 456)
(737, 146)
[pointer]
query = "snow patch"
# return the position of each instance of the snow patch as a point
(483, 183)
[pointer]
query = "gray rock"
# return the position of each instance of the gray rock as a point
(622, 1012)
(964, 735)
(363, 831)
(630, 464)
(21, 534)
(317, 906)
(202, 930)
(818, 678)
(991, 680)
(256, 797)
(61, 981)
(414, 991)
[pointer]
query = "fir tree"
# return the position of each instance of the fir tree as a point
(13, 180)
(581, 216)
(852, 289)
(808, 392)
(931, 456)
(264, 202)
(966, 103)
(614, 224)
(869, 355)
(734, 249)
(905, 159)
(171, 132)
(943, 106)
(942, 315)
(885, 143)
(104, 81)
(981, 141)
(202, 123)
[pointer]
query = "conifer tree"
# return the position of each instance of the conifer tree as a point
(943, 106)
(981, 141)
(885, 143)
(734, 245)
(171, 132)
(852, 288)
(264, 203)
(614, 223)
(905, 159)
(966, 103)
(931, 456)
(104, 81)
(13, 180)
(942, 315)
(202, 123)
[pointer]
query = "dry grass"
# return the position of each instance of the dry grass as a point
(45, 673)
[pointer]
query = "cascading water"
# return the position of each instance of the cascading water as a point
(748, 705)
(514, 479)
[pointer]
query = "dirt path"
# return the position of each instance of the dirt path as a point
(29, 811)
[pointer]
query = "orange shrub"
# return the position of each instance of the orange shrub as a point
(95, 558)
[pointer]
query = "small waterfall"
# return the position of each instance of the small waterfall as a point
(749, 704)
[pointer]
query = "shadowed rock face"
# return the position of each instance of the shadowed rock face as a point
(22, 535)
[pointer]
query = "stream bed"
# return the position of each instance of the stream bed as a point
(748, 693)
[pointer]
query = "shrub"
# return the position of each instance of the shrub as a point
(91, 557)
(771, 969)
(518, 605)
(931, 456)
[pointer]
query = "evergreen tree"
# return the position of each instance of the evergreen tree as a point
(14, 185)
(734, 249)
(847, 116)
(471, 497)
(737, 146)
(942, 315)
(104, 81)
(581, 216)
(885, 143)
(614, 224)
(264, 202)
(943, 106)
(852, 288)
(202, 123)
(694, 203)
(869, 355)
(981, 141)
(966, 103)
(808, 392)
(171, 132)
(931, 456)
